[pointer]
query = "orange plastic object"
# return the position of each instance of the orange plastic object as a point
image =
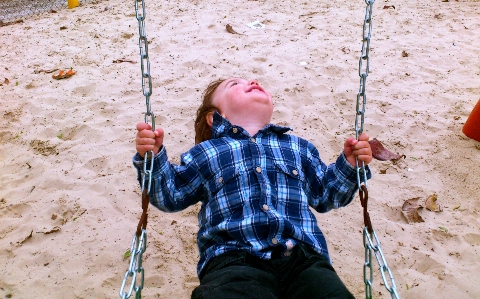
(472, 125)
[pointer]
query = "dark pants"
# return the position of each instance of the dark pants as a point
(302, 275)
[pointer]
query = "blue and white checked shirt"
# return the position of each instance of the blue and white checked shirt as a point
(255, 191)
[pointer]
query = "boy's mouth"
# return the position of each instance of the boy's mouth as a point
(255, 87)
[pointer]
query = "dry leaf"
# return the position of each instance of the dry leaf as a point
(6, 81)
(431, 205)
(404, 53)
(410, 210)
(62, 74)
(123, 60)
(10, 23)
(309, 14)
(53, 230)
(230, 29)
(45, 71)
(381, 153)
(389, 6)
(28, 237)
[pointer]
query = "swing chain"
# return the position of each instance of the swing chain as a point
(139, 242)
(373, 245)
(370, 239)
(361, 95)
(146, 87)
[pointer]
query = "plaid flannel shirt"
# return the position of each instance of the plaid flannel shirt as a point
(255, 191)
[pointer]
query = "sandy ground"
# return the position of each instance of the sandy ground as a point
(69, 201)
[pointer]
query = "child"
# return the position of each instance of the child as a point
(257, 237)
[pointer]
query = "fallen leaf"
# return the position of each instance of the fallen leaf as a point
(28, 237)
(410, 210)
(62, 74)
(54, 216)
(230, 29)
(443, 229)
(404, 53)
(309, 14)
(430, 203)
(63, 27)
(10, 23)
(123, 60)
(379, 152)
(45, 71)
(6, 81)
(389, 6)
(70, 72)
(127, 254)
(53, 230)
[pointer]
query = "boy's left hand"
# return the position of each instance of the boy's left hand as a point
(358, 148)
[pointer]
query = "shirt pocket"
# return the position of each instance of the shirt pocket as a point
(222, 178)
(290, 181)
(291, 170)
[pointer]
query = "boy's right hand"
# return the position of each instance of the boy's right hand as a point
(148, 140)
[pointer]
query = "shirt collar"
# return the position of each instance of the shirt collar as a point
(221, 127)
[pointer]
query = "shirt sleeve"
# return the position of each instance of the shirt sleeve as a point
(174, 187)
(332, 186)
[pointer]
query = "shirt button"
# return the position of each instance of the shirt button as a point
(220, 180)
(265, 207)
(274, 241)
(252, 140)
(235, 130)
(258, 169)
(295, 172)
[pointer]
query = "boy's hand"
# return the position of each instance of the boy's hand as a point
(358, 148)
(147, 139)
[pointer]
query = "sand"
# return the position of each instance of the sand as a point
(69, 201)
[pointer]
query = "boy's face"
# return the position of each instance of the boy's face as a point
(236, 96)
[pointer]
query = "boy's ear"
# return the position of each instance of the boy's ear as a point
(209, 118)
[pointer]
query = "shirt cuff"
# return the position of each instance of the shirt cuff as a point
(348, 171)
(158, 161)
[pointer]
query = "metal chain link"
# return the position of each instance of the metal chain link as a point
(373, 245)
(370, 239)
(139, 242)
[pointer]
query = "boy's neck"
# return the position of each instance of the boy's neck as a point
(251, 125)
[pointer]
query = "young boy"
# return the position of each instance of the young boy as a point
(257, 237)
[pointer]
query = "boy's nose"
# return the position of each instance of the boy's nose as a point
(253, 82)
